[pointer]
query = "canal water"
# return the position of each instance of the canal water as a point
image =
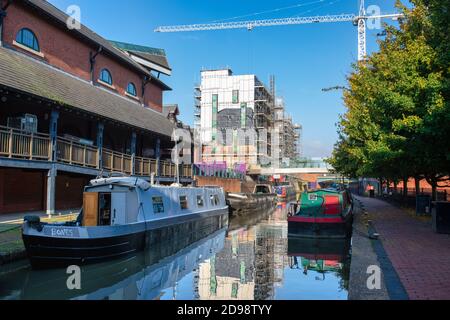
(254, 259)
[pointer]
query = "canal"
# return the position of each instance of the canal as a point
(254, 259)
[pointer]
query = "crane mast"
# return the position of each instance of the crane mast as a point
(359, 20)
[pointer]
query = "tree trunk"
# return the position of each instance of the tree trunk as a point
(434, 191)
(417, 182)
(395, 186)
(405, 188)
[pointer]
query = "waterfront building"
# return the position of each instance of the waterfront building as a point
(228, 105)
(74, 106)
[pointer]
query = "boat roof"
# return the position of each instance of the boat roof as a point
(136, 183)
(122, 181)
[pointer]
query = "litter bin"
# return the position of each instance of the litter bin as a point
(423, 205)
(441, 217)
(372, 193)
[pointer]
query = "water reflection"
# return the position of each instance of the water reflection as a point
(253, 259)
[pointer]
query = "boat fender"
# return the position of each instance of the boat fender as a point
(34, 222)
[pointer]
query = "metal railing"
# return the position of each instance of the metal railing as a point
(17, 144)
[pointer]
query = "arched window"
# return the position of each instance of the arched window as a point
(27, 38)
(106, 77)
(131, 89)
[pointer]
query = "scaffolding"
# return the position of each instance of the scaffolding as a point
(225, 101)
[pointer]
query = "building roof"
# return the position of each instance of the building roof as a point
(155, 55)
(170, 108)
(44, 7)
(27, 75)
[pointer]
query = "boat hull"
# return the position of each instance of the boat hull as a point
(308, 227)
(44, 252)
(60, 246)
(242, 204)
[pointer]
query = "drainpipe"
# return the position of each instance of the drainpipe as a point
(2, 19)
(146, 80)
(92, 58)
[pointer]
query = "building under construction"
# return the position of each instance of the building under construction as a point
(235, 119)
(289, 134)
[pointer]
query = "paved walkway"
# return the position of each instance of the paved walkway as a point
(17, 218)
(420, 256)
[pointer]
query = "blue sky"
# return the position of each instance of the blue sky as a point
(304, 58)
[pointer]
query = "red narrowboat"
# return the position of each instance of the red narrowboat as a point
(325, 213)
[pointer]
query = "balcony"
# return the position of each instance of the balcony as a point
(20, 145)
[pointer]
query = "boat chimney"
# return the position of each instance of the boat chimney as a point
(152, 179)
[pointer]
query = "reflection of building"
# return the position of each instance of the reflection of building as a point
(271, 259)
(230, 274)
(234, 103)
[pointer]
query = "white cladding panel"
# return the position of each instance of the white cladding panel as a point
(222, 83)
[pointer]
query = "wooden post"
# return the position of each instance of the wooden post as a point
(31, 146)
(84, 156)
(10, 151)
(71, 152)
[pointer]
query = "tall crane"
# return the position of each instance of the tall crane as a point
(359, 20)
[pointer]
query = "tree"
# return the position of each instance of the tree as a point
(397, 120)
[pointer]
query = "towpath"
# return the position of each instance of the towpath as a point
(420, 257)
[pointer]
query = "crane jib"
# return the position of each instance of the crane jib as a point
(273, 22)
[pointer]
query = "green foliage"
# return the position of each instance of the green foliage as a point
(398, 117)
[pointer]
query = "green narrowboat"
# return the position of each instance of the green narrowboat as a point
(324, 213)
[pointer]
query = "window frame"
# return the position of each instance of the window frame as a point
(159, 203)
(202, 205)
(186, 207)
(133, 94)
(235, 97)
(35, 39)
(110, 76)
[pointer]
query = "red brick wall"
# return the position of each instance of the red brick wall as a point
(70, 54)
(229, 185)
(423, 185)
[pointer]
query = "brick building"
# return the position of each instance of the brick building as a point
(73, 106)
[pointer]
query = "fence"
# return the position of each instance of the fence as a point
(17, 144)
(217, 171)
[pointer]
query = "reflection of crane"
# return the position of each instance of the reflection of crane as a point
(358, 20)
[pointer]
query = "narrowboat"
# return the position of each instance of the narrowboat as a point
(262, 198)
(285, 193)
(146, 275)
(121, 216)
(325, 213)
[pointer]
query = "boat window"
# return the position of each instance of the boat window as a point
(200, 202)
(262, 189)
(215, 201)
(104, 213)
(211, 197)
(183, 203)
(158, 205)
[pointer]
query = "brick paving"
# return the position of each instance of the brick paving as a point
(420, 256)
